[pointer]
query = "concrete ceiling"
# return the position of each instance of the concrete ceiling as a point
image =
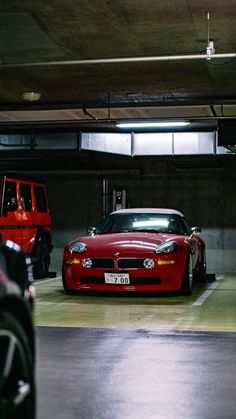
(58, 48)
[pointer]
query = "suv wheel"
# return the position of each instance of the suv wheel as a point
(17, 392)
(41, 266)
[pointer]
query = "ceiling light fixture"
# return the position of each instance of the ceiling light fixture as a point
(31, 96)
(210, 49)
(152, 124)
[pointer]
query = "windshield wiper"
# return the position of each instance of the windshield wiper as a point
(114, 232)
(122, 231)
(146, 230)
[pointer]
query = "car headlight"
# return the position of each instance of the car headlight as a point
(169, 247)
(77, 247)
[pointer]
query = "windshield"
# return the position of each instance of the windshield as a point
(146, 222)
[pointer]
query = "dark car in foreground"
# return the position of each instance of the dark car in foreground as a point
(142, 249)
(17, 344)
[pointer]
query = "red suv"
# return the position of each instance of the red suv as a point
(25, 219)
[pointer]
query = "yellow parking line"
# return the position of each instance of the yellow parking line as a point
(204, 296)
(43, 281)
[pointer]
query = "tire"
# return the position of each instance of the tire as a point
(187, 281)
(41, 266)
(201, 275)
(64, 283)
(66, 290)
(17, 390)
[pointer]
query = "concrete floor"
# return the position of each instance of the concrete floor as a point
(87, 373)
(137, 357)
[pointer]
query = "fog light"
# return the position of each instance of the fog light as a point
(87, 263)
(148, 263)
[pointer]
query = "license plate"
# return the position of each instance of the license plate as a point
(111, 278)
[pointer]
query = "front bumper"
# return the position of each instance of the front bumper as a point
(165, 276)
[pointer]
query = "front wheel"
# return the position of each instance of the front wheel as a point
(66, 289)
(17, 392)
(187, 282)
(64, 282)
(201, 275)
(41, 266)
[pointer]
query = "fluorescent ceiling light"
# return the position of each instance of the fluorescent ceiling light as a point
(152, 124)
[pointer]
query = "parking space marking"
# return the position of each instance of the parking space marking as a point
(204, 296)
(198, 302)
(53, 294)
(43, 281)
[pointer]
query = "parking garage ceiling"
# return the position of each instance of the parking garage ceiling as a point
(99, 61)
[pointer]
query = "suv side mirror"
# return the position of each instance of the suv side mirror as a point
(91, 231)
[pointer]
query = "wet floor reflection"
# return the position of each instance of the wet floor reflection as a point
(123, 374)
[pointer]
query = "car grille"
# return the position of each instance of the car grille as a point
(122, 263)
(103, 263)
(133, 281)
(133, 263)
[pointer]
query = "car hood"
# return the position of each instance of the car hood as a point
(126, 243)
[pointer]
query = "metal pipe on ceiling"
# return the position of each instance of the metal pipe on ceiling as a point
(121, 60)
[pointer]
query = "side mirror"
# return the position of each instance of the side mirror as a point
(91, 231)
(195, 230)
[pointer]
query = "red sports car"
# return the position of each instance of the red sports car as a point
(142, 249)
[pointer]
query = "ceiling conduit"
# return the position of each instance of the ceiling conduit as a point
(122, 60)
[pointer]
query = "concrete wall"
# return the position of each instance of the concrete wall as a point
(203, 191)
